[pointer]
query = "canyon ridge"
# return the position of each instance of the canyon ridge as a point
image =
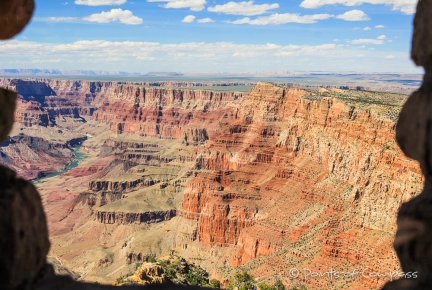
(267, 181)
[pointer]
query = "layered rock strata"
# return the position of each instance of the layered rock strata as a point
(318, 174)
(129, 218)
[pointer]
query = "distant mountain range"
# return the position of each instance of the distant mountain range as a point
(45, 72)
(59, 72)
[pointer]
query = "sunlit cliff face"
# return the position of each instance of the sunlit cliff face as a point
(269, 180)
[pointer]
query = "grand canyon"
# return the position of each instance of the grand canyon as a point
(265, 181)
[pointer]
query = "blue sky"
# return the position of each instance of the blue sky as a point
(214, 35)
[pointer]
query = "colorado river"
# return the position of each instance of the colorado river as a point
(78, 158)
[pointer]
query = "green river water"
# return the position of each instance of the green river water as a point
(79, 157)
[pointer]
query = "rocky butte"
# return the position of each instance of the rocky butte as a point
(266, 181)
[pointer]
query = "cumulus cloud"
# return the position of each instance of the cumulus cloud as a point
(193, 56)
(245, 20)
(63, 18)
(367, 28)
(379, 26)
(353, 15)
(205, 20)
(188, 19)
(243, 8)
(97, 50)
(378, 40)
(389, 56)
(99, 2)
(277, 19)
(297, 50)
(367, 41)
(406, 6)
(124, 16)
(194, 5)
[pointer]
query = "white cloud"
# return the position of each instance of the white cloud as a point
(243, 8)
(357, 28)
(188, 19)
(63, 18)
(99, 2)
(381, 37)
(124, 16)
(297, 50)
(389, 56)
(245, 20)
(406, 6)
(277, 19)
(194, 5)
(353, 15)
(367, 41)
(336, 40)
(194, 56)
(367, 28)
(379, 26)
(205, 20)
(98, 50)
(46, 60)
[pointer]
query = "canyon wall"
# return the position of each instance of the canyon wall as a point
(281, 177)
(317, 177)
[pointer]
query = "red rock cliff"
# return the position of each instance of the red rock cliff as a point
(314, 177)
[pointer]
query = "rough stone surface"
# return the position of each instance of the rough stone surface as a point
(23, 231)
(421, 52)
(14, 16)
(7, 110)
(413, 241)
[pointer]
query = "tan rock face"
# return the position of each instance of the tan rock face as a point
(148, 274)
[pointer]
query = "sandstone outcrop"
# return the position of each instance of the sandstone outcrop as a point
(147, 274)
(129, 218)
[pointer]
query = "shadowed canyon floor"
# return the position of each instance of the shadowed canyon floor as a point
(265, 181)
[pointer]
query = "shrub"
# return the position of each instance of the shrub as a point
(195, 279)
(215, 283)
(279, 285)
(242, 281)
(265, 286)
